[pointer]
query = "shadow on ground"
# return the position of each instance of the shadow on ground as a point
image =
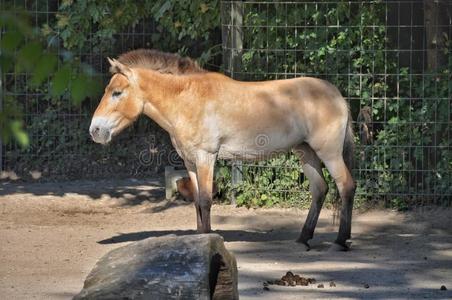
(228, 235)
(398, 255)
(408, 260)
(134, 191)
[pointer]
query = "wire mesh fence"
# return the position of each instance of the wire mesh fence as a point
(60, 146)
(390, 59)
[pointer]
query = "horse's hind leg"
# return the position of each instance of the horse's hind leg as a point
(312, 169)
(346, 186)
(205, 163)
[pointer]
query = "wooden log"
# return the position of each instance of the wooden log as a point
(168, 267)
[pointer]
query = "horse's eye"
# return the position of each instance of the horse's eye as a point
(116, 94)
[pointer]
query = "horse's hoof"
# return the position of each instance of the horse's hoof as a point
(304, 244)
(339, 247)
(203, 230)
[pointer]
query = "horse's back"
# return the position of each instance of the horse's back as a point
(271, 116)
(304, 99)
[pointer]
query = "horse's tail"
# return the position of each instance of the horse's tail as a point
(349, 145)
(348, 153)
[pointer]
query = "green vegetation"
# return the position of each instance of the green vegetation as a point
(178, 26)
(23, 51)
(48, 69)
(346, 44)
(51, 70)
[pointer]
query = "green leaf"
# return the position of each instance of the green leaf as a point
(28, 55)
(61, 80)
(44, 67)
(19, 134)
(94, 86)
(11, 40)
(6, 63)
(78, 89)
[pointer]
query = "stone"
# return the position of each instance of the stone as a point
(168, 267)
(171, 177)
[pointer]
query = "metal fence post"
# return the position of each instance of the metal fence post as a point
(236, 179)
(237, 39)
(1, 110)
(236, 68)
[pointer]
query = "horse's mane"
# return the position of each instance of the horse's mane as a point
(162, 62)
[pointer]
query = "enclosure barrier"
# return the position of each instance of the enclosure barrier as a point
(60, 145)
(391, 60)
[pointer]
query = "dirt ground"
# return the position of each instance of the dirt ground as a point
(51, 235)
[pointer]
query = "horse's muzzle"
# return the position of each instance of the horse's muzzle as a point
(99, 132)
(100, 135)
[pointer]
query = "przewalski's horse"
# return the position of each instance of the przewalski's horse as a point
(210, 116)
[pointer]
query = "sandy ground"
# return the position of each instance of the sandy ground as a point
(51, 235)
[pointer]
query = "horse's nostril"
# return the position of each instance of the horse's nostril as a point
(94, 131)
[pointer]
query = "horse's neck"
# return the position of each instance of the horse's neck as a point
(159, 92)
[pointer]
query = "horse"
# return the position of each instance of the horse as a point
(210, 116)
(186, 189)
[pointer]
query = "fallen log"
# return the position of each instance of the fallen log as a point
(168, 267)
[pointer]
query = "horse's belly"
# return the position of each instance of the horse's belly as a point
(258, 147)
(234, 153)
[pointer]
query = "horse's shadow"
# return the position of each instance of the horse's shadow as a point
(228, 235)
(274, 236)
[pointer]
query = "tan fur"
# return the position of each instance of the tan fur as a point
(185, 188)
(210, 116)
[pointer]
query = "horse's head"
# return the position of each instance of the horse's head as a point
(120, 105)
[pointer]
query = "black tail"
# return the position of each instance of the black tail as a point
(348, 154)
(349, 146)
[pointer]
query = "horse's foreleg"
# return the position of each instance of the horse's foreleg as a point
(312, 169)
(194, 181)
(346, 186)
(204, 170)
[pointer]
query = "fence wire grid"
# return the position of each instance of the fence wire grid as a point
(60, 145)
(390, 59)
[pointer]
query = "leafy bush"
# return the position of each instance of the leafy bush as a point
(22, 53)
(178, 26)
(266, 183)
(343, 42)
(346, 43)
(74, 43)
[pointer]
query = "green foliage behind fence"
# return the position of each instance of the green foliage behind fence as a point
(52, 116)
(348, 43)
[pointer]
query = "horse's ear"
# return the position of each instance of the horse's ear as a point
(117, 67)
(111, 61)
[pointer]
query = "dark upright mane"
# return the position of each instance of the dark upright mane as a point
(160, 61)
